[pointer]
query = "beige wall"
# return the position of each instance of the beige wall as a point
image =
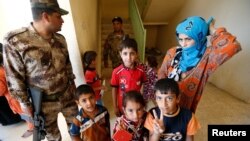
(234, 75)
(112, 8)
(87, 25)
(151, 38)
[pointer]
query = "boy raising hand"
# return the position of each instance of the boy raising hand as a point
(158, 124)
(168, 121)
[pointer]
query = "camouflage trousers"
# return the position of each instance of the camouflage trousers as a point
(114, 56)
(67, 106)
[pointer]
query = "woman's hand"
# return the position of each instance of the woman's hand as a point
(212, 29)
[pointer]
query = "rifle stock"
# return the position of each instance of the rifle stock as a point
(39, 122)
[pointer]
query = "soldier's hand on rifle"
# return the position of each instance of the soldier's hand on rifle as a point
(27, 109)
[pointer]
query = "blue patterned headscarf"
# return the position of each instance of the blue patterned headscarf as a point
(196, 28)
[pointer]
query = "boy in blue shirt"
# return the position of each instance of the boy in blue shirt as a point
(92, 122)
(168, 121)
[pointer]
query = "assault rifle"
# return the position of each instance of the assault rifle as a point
(38, 119)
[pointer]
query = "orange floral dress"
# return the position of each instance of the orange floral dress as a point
(192, 83)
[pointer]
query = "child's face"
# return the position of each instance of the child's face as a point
(133, 111)
(129, 57)
(93, 63)
(87, 102)
(168, 103)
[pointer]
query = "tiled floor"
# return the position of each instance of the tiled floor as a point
(216, 107)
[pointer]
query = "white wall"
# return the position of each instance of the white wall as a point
(234, 75)
(17, 13)
(87, 24)
(68, 30)
(13, 15)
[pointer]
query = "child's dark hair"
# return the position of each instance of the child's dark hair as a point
(167, 85)
(83, 89)
(134, 96)
(88, 57)
(152, 61)
(128, 43)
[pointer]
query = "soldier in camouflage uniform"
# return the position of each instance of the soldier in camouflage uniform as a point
(111, 46)
(37, 56)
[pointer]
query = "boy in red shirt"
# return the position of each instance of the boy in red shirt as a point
(128, 76)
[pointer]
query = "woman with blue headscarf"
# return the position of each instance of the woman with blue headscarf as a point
(192, 62)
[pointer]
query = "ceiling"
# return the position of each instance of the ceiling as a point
(158, 11)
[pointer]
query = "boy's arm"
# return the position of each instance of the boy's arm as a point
(193, 126)
(74, 130)
(114, 96)
(144, 79)
(76, 138)
(153, 136)
(142, 87)
(189, 137)
(107, 119)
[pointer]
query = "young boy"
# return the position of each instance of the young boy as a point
(134, 117)
(128, 76)
(168, 121)
(92, 122)
(91, 76)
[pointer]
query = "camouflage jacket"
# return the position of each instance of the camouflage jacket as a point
(111, 48)
(33, 61)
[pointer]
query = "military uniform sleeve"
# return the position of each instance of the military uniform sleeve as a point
(15, 70)
(224, 46)
(106, 49)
